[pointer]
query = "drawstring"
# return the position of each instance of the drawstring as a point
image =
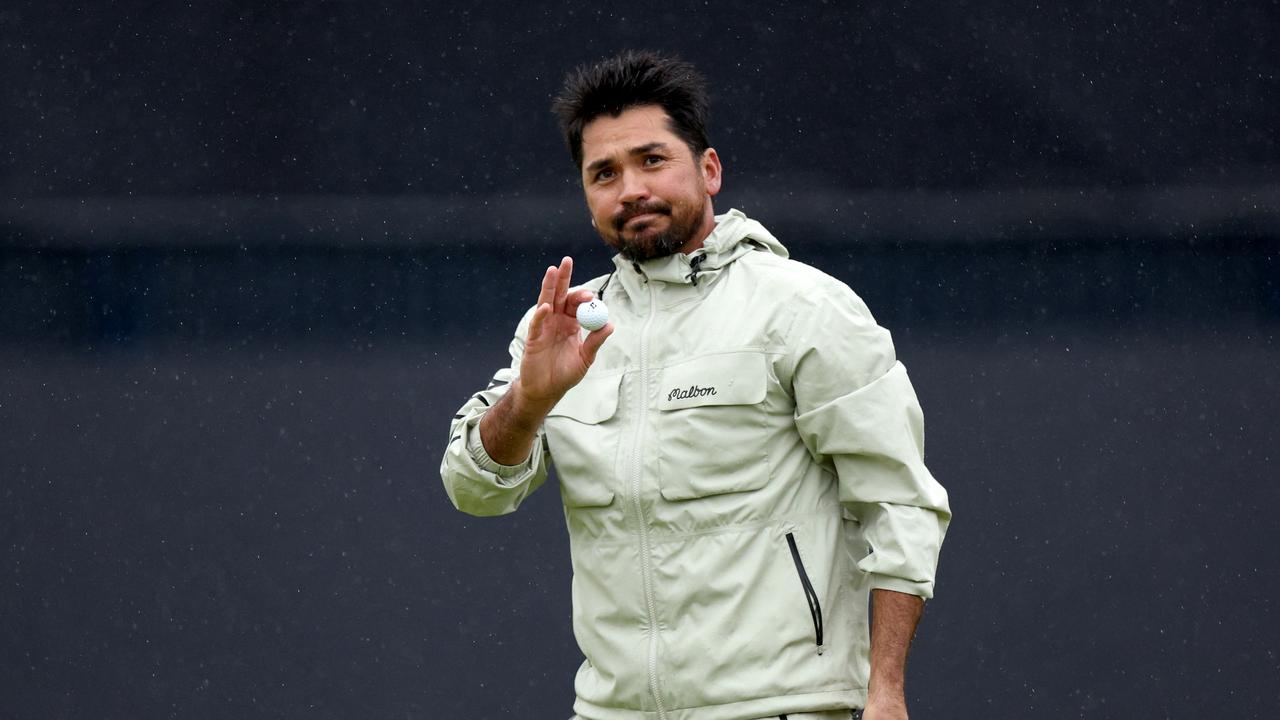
(600, 292)
(695, 264)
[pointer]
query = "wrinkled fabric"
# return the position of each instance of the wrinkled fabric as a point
(741, 465)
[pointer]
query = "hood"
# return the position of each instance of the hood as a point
(734, 235)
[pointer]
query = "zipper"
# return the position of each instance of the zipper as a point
(646, 571)
(810, 595)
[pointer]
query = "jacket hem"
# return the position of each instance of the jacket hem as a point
(754, 708)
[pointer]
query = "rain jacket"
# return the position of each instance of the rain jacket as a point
(740, 466)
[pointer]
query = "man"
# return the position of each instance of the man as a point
(740, 455)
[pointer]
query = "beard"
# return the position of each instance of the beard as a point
(645, 243)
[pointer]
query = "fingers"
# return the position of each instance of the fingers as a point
(555, 286)
(591, 344)
(547, 293)
(576, 298)
(564, 275)
(540, 314)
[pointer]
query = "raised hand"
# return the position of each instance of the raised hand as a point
(555, 359)
(556, 356)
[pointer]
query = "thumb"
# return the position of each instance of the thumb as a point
(591, 345)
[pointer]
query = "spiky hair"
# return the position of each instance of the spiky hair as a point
(633, 79)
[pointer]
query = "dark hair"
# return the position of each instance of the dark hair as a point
(632, 79)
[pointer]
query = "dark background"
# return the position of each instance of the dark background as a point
(253, 257)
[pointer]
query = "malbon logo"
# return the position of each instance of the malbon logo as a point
(693, 392)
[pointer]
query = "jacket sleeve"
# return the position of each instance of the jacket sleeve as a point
(474, 481)
(856, 409)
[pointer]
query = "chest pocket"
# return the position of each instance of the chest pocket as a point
(583, 436)
(711, 432)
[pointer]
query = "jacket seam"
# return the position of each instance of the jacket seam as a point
(823, 513)
(763, 350)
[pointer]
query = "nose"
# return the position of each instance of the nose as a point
(633, 187)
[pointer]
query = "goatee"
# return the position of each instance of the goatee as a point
(640, 247)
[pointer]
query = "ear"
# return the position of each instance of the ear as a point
(711, 171)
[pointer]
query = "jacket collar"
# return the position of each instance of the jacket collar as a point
(734, 235)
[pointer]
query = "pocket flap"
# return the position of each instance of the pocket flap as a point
(735, 378)
(593, 400)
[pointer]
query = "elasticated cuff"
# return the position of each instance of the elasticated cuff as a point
(482, 459)
(888, 582)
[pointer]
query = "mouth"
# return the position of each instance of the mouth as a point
(643, 218)
(640, 219)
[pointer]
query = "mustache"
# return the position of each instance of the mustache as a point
(630, 211)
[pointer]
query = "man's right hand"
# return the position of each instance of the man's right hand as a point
(556, 358)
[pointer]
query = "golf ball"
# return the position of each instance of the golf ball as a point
(593, 315)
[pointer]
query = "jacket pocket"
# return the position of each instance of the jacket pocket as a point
(582, 433)
(810, 595)
(710, 429)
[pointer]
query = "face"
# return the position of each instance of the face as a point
(647, 193)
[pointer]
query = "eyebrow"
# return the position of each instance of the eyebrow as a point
(637, 150)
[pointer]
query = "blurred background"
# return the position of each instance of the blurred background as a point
(253, 257)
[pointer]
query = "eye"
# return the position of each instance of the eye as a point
(651, 160)
(604, 175)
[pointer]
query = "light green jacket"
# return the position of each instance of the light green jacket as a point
(740, 466)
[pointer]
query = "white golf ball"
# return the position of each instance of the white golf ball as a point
(593, 315)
